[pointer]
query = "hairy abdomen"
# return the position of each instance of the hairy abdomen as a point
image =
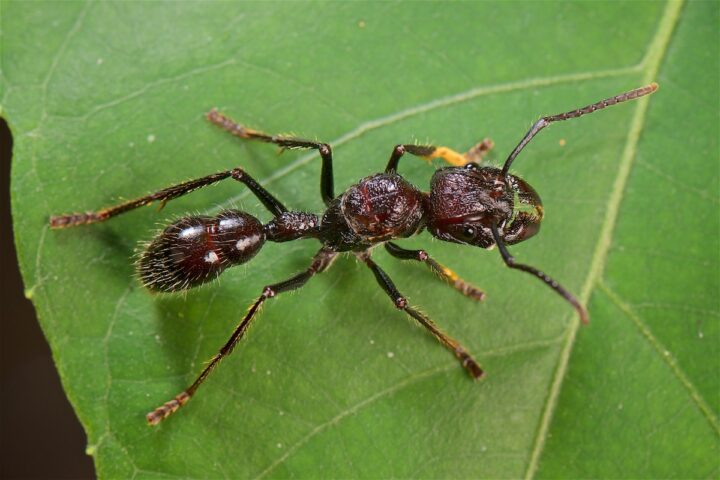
(195, 250)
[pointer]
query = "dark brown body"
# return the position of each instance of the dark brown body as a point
(194, 250)
(379, 208)
(467, 204)
(461, 207)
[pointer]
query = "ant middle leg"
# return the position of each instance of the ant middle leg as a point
(469, 363)
(446, 274)
(322, 260)
(431, 152)
(326, 176)
(165, 195)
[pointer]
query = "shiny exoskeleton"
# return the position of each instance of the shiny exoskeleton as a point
(467, 204)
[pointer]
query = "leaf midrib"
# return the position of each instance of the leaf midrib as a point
(650, 65)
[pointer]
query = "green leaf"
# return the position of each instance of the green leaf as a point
(106, 102)
(645, 387)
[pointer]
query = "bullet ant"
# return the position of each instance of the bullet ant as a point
(467, 204)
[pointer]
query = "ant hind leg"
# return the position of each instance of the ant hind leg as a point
(326, 175)
(165, 195)
(322, 260)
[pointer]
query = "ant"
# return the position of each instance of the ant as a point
(467, 204)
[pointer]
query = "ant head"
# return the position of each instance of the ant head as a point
(466, 201)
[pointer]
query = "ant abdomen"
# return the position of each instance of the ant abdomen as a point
(195, 250)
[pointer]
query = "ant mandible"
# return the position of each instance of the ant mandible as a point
(467, 204)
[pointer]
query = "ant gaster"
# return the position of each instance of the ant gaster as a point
(467, 204)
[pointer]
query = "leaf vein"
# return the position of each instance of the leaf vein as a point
(410, 380)
(650, 65)
(697, 399)
(63, 46)
(438, 103)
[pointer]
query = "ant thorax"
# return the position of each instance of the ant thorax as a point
(377, 208)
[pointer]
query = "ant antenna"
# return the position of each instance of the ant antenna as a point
(544, 277)
(545, 121)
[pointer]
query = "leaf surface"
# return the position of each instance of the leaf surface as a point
(106, 102)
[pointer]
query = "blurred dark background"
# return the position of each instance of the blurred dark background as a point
(40, 436)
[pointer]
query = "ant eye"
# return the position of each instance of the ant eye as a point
(471, 166)
(468, 232)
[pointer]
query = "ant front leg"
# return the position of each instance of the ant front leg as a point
(559, 289)
(446, 274)
(430, 152)
(326, 176)
(322, 260)
(469, 363)
(165, 195)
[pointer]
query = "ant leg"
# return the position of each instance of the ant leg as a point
(326, 176)
(450, 277)
(559, 289)
(400, 302)
(545, 121)
(322, 260)
(478, 152)
(167, 194)
(430, 152)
